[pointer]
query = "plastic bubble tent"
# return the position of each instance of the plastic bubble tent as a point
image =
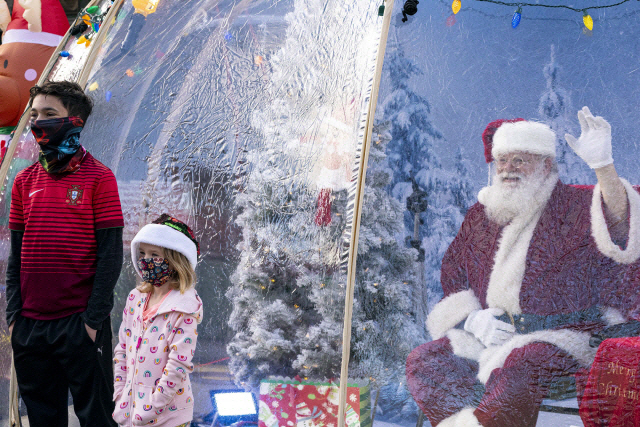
(251, 121)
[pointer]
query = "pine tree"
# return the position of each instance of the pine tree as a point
(411, 149)
(556, 110)
(281, 244)
(413, 158)
(288, 293)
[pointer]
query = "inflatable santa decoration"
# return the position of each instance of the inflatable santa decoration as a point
(336, 160)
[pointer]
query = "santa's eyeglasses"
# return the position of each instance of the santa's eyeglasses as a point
(516, 161)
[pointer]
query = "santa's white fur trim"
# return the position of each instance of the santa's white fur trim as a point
(573, 342)
(26, 36)
(5, 15)
(510, 260)
(464, 418)
(465, 344)
(530, 137)
(450, 311)
(600, 232)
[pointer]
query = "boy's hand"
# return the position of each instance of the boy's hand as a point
(11, 328)
(91, 332)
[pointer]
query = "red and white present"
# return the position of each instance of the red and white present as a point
(297, 403)
(612, 393)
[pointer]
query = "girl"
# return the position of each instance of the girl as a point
(157, 337)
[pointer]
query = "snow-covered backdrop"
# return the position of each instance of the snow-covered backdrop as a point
(446, 77)
(460, 72)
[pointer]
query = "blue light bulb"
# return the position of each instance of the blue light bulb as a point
(515, 21)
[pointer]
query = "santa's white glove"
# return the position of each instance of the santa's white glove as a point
(594, 144)
(489, 330)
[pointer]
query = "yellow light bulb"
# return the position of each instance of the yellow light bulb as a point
(455, 6)
(588, 21)
(145, 7)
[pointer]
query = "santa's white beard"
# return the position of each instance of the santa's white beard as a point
(505, 201)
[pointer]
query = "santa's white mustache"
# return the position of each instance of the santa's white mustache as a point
(510, 175)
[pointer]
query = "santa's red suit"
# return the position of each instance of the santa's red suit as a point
(554, 272)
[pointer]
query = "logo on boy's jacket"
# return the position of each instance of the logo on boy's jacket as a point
(74, 195)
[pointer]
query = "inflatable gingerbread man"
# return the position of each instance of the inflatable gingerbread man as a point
(29, 37)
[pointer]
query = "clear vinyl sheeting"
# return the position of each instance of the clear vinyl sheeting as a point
(246, 119)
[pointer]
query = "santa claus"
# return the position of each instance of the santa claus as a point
(527, 279)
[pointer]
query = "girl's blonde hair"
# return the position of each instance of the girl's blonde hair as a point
(183, 276)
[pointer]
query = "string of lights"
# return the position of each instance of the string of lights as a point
(553, 6)
(410, 8)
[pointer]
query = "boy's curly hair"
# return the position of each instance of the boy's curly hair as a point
(70, 95)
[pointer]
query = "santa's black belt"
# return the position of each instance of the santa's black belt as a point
(527, 323)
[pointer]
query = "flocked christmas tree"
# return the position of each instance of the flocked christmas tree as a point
(288, 292)
(270, 309)
(556, 110)
(289, 288)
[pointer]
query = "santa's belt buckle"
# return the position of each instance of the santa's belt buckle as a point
(525, 323)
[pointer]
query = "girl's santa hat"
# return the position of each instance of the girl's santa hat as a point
(167, 232)
(507, 136)
(28, 26)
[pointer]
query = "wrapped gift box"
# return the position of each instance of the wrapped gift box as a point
(299, 403)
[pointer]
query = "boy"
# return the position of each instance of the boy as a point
(66, 255)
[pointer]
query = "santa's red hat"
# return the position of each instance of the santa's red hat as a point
(507, 136)
(36, 21)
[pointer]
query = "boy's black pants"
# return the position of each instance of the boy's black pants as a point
(55, 356)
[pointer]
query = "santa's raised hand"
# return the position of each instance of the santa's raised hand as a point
(594, 144)
(594, 147)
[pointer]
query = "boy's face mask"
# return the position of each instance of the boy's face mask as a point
(59, 141)
(155, 270)
(53, 132)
